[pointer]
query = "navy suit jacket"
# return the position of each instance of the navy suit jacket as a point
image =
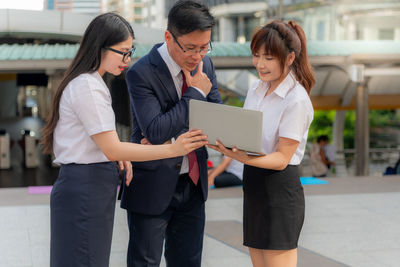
(158, 113)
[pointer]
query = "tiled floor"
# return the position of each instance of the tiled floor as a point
(349, 222)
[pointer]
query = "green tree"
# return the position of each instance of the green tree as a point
(322, 124)
(379, 121)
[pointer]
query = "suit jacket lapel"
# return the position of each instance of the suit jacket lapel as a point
(162, 72)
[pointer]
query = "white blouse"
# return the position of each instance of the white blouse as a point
(85, 110)
(287, 112)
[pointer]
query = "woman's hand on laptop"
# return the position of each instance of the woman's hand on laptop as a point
(189, 141)
(235, 153)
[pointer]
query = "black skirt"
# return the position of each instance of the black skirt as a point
(273, 208)
(82, 205)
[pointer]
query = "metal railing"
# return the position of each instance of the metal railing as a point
(379, 160)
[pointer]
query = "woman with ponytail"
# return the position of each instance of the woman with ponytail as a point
(273, 195)
(81, 132)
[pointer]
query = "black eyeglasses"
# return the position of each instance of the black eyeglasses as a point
(193, 52)
(125, 55)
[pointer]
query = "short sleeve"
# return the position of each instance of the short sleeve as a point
(295, 121)
(250, 93)
(92, 103)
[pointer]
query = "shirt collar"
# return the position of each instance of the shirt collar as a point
(283, 88)
(286, 85)
(262, 88)
(97, 76)
(173, 67)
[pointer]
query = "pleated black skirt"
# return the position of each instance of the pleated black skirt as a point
(82, 206)
(273, 211)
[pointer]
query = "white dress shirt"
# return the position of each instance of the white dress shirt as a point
(85, 110)
(177, 77)
(287, 112)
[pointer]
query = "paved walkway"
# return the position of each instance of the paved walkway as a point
(349, 222)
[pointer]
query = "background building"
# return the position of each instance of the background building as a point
(93, 7)
(147, 12)
(329, 20)
(350, 20)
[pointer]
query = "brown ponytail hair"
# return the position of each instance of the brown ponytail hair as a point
(279, 39)
(105, 30)
(301, 64)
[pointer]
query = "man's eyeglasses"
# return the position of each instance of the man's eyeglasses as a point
(125, 55)
(193, 52)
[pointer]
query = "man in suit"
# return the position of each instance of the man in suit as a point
(166, 197)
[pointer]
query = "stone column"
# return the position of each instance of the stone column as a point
(42, 103)
(338, 128)
(362, 131)
(21, 100)
(241, 32)
(226, 30)
(351, 30)
(55, 77)
(356, 72)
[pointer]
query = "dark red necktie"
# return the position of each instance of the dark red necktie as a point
(194, 172)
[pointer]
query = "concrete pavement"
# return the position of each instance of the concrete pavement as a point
(352, 221)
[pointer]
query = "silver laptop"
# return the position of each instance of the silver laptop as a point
(232, 125)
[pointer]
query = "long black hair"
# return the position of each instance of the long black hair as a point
(103, 31)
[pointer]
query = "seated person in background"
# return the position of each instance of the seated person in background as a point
(328, 151)
(393, 170)
(228, 173)
(318, 167)
(320, 163)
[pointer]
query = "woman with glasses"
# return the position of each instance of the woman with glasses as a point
(273, 196)
(81, 133)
